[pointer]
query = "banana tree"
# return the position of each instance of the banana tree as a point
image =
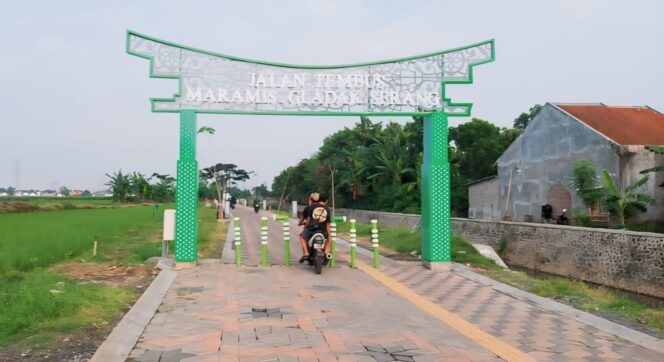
(623, 202)
(120, 186)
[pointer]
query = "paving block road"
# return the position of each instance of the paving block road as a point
(402, 312)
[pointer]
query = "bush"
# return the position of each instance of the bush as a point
(68, 206)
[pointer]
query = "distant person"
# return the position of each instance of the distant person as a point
(547, 213)
(563, 219)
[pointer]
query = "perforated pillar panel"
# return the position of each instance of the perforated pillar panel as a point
(436, 223)
(186, 220)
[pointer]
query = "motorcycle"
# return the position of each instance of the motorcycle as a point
(256, 207)
(317, 257)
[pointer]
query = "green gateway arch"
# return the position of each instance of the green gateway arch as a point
(210, 82)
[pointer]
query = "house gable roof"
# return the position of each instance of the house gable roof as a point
(624, 125)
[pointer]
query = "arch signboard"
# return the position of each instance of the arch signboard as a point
(210, 82)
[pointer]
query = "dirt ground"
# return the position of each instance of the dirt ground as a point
(82, 346)
(114, 275)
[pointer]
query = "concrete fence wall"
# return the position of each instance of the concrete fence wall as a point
(401, 221)
(627, 260)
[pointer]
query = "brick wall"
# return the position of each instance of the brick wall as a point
(627, 260)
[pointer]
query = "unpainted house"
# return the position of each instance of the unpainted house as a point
(536, 169)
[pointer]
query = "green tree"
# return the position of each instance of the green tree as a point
(139, 186)
(120, 186)
(224, 175)
(475, 148)
(261, 191)
(11, 191)
(623, 203)
(86, 193)
(586, 183)
(522, 121)
(390, 152)
(164, 189)
(205, 191)
(64, 191)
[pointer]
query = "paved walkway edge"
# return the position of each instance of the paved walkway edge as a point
(124, 336)
(636, 337)
(469, 330)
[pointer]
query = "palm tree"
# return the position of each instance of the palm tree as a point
(622, 203)
(391, 152)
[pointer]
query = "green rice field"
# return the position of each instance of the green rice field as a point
(97, 201)
(39, 239)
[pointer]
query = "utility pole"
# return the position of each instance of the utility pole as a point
(332, 171)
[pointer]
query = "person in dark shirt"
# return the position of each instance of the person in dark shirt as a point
(318, 220)
(313, 199)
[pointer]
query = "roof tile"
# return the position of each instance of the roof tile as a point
(624, 125)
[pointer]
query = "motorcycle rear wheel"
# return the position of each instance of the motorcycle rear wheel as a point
(319, 262)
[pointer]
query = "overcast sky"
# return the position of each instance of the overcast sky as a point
(75, 105)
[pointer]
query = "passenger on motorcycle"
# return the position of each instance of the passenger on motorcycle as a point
(313, 199)
(318, 220)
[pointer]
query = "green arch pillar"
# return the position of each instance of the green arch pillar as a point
(186, 193)
(436, 223)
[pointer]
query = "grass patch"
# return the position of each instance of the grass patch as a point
(41, 304)
(29, 308)
(211, 233)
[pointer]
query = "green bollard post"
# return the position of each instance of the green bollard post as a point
(374, 243)
(333, 248)
(286, 228)
(353, 244)
(264, 258)
(236, 242)
(333, 243)
(286, 243)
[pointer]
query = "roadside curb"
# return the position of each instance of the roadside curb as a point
(124, 336)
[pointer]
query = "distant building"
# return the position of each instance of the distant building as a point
(49, 193)
(483, 196)
(536, 169)
(75, 193)
(102, 193)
